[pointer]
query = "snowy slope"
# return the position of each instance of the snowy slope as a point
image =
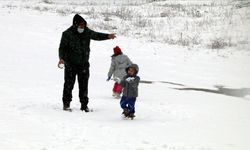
(187, 112)
(208, 23)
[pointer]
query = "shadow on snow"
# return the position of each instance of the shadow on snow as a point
(240, 92)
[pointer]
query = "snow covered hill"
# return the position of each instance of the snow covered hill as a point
(208, 23)
(199, 100)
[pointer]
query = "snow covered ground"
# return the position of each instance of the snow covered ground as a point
(203, 103)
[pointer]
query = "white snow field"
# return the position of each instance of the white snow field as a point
(202, 103)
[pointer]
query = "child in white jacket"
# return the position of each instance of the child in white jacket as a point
(119, 63)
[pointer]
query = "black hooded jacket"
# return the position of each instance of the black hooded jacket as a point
(74, 47)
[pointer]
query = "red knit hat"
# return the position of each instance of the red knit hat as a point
(117, 50)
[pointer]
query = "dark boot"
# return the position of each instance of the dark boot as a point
(131, 116)
(84, 108)
(66, 107)
(125, 112)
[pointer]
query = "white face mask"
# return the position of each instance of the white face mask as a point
(80, 30)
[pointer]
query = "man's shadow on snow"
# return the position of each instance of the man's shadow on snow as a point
(241, 92)
(220, 89)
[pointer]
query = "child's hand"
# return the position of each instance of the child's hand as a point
(108, 78)
(130, 79)
(118, 80)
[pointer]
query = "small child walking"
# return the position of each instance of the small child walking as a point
(119, 62)
(130, 84)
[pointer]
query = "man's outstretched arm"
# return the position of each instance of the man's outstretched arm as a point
(101, 36)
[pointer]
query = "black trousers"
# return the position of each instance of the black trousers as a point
(70, 73)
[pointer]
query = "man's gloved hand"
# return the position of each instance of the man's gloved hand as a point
(130, 79)
(111, 36)
(108, 78)
(118, 80)
(61, 64)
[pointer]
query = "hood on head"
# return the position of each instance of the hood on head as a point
(133, 66)
(78, 19)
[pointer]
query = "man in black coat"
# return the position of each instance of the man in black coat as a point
(74, 55)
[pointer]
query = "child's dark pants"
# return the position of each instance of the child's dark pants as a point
(128, 103)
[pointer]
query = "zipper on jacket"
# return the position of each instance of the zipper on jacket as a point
(127, 89)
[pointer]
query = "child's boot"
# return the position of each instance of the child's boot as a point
(116, 95)
(131, 116)
(125, 112)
